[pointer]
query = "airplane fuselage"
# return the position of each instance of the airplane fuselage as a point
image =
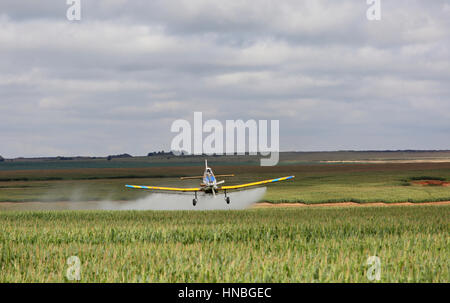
(209, 184)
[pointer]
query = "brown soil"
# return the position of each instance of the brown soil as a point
(431, 182)
(344, 204)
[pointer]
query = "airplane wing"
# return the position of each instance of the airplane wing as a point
(164, 188)
(256, 183)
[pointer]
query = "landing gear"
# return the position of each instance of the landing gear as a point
(227, 199)
(194, 202)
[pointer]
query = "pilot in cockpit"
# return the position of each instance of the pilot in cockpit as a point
(209, 177)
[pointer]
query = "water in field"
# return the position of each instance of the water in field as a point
(156, 201)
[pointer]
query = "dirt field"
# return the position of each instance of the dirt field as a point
(390, 161)
(431, 182)
(344, 204)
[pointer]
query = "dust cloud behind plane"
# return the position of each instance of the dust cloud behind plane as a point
(156, 201)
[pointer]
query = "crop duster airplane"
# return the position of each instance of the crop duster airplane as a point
(210, 185)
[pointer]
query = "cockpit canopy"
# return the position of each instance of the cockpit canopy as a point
(208, 176)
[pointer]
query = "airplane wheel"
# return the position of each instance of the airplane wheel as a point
(228, 200)
(194, 202)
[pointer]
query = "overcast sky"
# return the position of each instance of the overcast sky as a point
(116, 80)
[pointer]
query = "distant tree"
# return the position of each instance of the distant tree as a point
(64, 158)
(119, 156)
(1, 159)
(109, 158)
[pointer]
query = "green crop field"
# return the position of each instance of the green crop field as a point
(258, 245)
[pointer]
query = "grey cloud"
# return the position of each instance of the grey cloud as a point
(115, 81)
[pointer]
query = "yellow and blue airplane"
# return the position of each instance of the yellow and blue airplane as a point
(210, 185)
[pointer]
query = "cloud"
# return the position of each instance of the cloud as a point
(115, 81)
